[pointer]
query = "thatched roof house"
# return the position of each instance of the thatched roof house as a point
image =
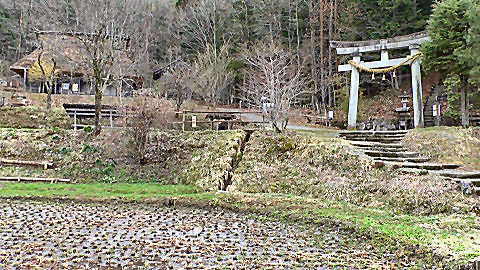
(72, 65)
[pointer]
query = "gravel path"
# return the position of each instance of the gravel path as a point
(109, 236)
(252, 117)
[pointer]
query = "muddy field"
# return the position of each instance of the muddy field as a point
(109, 236)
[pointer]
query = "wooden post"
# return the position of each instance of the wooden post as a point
(111, 119)
(263, 120)
(25, 79)
(211, 124)
(75, 120)
(353, 103)
(417, 89)
(126, 117)
(183, 122)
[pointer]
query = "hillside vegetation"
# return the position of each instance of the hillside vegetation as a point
(263, 162)
(447, 144)
(34, 117)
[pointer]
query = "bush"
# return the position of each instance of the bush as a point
(148, 113)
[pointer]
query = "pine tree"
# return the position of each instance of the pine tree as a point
(473, 42)
(447, 52)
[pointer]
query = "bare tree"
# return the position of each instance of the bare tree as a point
(108, 31)
(46, 72)
(175, 77)
(275, 78)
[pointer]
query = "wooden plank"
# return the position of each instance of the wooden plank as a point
(44, 164)
(92, 114)
(89, 110)
(218, 121)
(34, 179)
(220, 112)
(109, 127)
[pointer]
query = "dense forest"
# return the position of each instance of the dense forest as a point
(220, 40)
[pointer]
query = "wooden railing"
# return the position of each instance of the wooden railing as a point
(215, 123)
(78, 113)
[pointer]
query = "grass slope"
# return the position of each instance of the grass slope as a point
(200, 158)
(447, 145)
(34, 117)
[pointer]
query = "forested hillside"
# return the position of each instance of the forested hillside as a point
(214, 36)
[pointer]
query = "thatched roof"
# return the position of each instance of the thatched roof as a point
(69, 53)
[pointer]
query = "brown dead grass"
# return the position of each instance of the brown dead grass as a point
(447, 145)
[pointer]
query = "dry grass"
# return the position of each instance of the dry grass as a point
(447, 145)
(313, 166)
(34, 117)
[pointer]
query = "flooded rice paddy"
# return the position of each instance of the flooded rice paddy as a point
(135, 236)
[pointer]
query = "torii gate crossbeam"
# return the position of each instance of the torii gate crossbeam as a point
(355, 49)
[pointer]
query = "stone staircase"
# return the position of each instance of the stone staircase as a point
(429, 120)
(385, 148)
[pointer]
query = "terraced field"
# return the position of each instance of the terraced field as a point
(134, 236)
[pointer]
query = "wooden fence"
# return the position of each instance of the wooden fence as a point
(216, 118)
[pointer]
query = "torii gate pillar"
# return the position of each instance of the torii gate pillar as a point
(355, 49)
(353, 103)
(417, 89)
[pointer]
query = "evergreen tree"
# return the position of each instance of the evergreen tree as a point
(378, 19)
(447, 52)
(473, 43)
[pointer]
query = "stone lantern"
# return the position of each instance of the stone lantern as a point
(404, 111)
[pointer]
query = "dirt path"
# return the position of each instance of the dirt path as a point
(252, 117)
(112, 236)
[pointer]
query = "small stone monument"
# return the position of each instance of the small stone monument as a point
(404, 112)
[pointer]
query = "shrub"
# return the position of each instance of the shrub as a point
(148, 113)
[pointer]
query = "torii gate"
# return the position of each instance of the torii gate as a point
(356, 48)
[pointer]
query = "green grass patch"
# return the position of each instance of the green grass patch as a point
(97, 190)
(455, 235)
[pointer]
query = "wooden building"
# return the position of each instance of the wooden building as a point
(73, 77)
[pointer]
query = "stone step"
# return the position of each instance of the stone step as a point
(379, 154)
(413, 171)
(468, 187)
(403, 160)
(423, 166)
(459, 174)
(379, 140)
(473, 182)
(372, 137)
(374, 134)
(384, 149)
(376, 144)
(371, 132)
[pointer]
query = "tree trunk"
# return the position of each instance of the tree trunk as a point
(98, 108)
(313, 53)
(322, 55)
(330, 64)
(49, 97)
(464, 104)
(297, 26)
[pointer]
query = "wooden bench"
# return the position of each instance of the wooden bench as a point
(86, 111)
